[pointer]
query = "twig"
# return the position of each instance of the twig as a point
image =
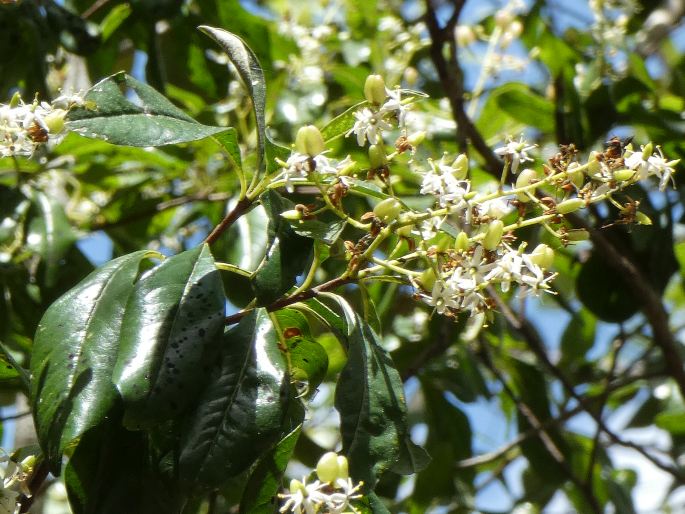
(240, 208)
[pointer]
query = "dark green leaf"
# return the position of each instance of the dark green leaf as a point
(153, 121)
(260, 491)
(228, 139)
(578, 337)
(172, 325)
(274, 151)
(74, 353)
(287, 256)
(241, 412)
(250, 71)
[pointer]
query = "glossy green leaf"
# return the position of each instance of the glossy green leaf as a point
(74, 353)
(228, 139)
(341, 124)
(250, 71)
(370, 398)
(274, 151)
(527, 106)
(240, 413)
(327, 232)
(287, 255)
(260, 492)
(171, 330)
(111, 115)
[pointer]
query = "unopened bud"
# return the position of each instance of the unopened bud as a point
(642, 219)
(503, 18)
(292, 215)
(416, 138)
(593, 165)
(377, 157)
(328, 467)
(404, 231)
(387, 210)
(55, 121)
(493, 235)
(647, 151)
(525, 178)
(296, 485)
(623, 175)
(464, 35)
(575, 175)
(461, 166)
(374, 89)
(309, 141)
(427, 279)
(543, 256)
(16, 99)
(570, 205)
(578, 234)
(461, 243)
(411, 75)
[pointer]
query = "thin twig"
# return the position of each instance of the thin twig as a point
(240, 208)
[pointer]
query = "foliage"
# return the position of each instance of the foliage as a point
(275, 236)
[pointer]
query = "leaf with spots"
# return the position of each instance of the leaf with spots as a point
(373, 413)
(74, 353)
(240, 414)
(172, 326)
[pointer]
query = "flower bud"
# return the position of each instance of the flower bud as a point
(328, 468)
(16, 99)
(55, 121)
(416, 138)
(575, 175)
(543, 256)
(309, 141)
(571, 205)
(647, 151)
(623, 175)
(464, 35)
(461, 166)
(493, 235)
(594, 166)
(296, 485)
(404, 231)
(461, 243)
(525, 178)
(503, 18)
(579, 234)
(377, 157)
(642, 219)
(427, 279)
(374, 89)
(411, 75)
(387, 210)
(292, 215)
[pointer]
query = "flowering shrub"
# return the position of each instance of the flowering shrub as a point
(337, 260)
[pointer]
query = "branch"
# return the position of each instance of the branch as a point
(240, 208)
(452, 81)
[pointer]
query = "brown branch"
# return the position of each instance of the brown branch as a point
(240, 208)
(299, 297)
(452, 80)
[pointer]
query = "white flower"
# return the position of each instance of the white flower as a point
(443, 296)
(655, 164)
(394, 105)
(306, 499)
(369, 125)
(299, 166)
(442, 183)
(496, 208)
(516, 151)
(516, 267)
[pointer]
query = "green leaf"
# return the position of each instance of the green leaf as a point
(328, 232)
(527, 106)
(172, 325)
(341, 124)
(228, 139)
(274, 151)
(260, 491)
(50, 234)
(287, 256)
(250, 71)
(370, 398)
(112, 116)
(578, 337)
(365, 188)
(673, 422)
(241, 412)
(113, 20)
(74, 353)
(604, 291)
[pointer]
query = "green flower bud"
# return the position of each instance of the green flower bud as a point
(387, 210)
(461, 166)
(493, 235)
(292, 215)
(647, 151)
(327, 469)
(575, 175)
(377, 157)
(309, 141)
(642, 219)
(571, 205)
(343, 467)
(543, 256)
(427, 279)
(461, 243)
(624, 175)
(374, 89)
(16, 98)
(416, 138)
(55, 121)
(578, 234)
(404, 231)
(525, 178)
(296, 485)
(594, 167)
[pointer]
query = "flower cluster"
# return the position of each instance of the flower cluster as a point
(25, 127)
(648, 163)
(330, 494)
